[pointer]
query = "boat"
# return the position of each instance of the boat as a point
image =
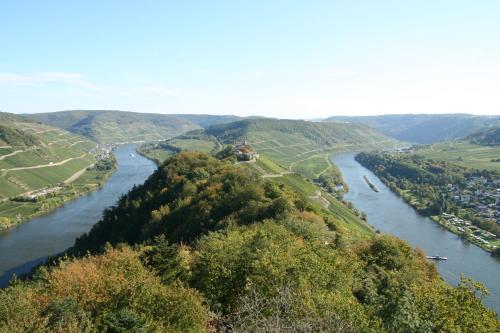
(132, 155)
(437, 257)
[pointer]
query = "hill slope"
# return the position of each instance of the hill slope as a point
(34, 156)
(117, 126)
(424, 128)
(487, 137)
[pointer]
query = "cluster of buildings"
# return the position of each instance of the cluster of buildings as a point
(466, 228)
(480, 194)
(244, 152)
(103, 150)
(33, 195)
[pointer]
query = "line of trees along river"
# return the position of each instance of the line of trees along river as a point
(390, 214)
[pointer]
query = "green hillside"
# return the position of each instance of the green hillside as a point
(204, 246)
(109, 126)
(300, 145)
(424, 128)
(40, 166)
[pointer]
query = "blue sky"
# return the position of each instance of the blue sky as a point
(290, 59)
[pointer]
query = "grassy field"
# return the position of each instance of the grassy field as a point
(464, 154)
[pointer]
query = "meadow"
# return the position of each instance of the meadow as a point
(464, 154)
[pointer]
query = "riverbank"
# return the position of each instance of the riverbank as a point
(30, 243)
(22, 209)
(414, 202)
(462, 207)
(391, 214)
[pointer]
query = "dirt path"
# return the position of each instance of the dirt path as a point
(77, 174)
(278, 174)
(11, 154)
(74, 143)
(46, 165)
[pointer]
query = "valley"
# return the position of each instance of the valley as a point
(227, 180)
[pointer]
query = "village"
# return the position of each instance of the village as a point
(480, 194)
(103, 151)
(468, 230)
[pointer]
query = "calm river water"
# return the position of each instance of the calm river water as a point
(24, 247)
(391, 215)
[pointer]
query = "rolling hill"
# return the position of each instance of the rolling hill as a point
(424, 128)
(36, 157)
(107, 126)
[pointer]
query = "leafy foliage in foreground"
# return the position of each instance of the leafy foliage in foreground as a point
(215, 249)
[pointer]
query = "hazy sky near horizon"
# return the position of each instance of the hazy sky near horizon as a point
(289, 59)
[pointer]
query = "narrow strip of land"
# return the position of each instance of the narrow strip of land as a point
(46, 165)
(11, 154)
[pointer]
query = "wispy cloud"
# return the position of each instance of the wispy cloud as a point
(73, 79)
(80, 81)
(341, 73)
(155, 89)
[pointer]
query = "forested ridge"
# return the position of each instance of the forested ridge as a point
(206, 246)
(487, 137)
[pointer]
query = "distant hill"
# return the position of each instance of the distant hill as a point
(117, 126)
(290, 131)
(424, 128)
(487, 137)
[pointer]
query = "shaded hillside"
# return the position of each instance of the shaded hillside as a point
(488, 137)
(424, 128)
(16, 137)
(227, 252)
(117, 126)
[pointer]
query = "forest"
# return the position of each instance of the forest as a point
(205, 246)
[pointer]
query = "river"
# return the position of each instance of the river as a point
(391, 215)
(29, 244)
